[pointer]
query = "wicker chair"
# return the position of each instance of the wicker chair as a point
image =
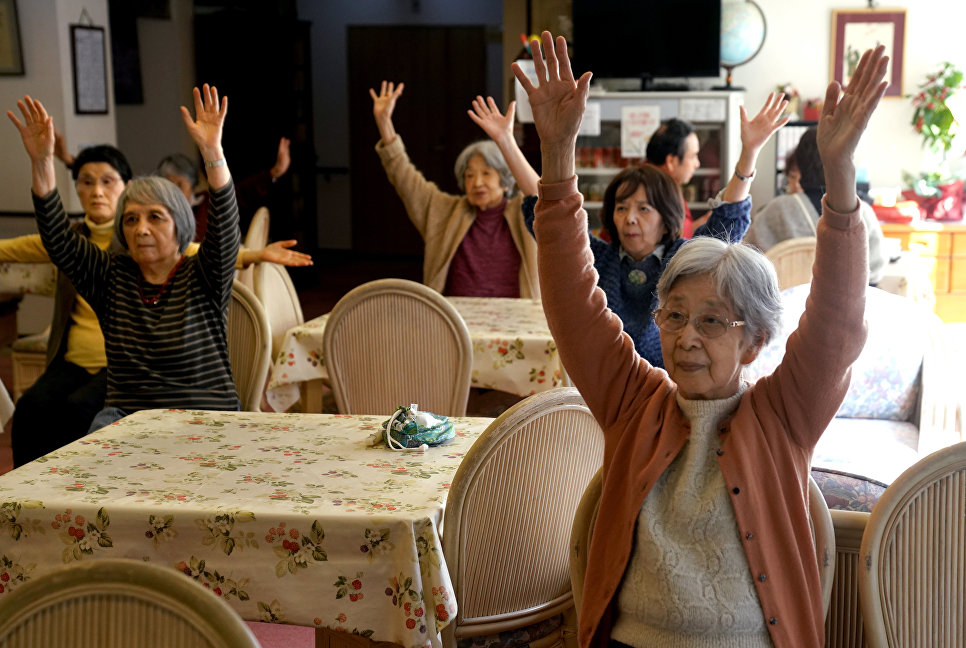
(793, 259)
(249, 346)
(506, 528)
(275, 291)
(912, 584)
(393, 342)
(118, 602)
(255, 239)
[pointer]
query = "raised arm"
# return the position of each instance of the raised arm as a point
(206, 130)
(382, 106)
(754, 133)
(841, 124)
(37, 132)
(283, 159)
(487, 116)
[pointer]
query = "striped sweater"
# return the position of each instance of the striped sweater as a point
(170, 354)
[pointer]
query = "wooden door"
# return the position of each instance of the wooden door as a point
(443, 68)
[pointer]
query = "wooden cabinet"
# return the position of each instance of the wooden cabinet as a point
(942, 246)
(714, 115)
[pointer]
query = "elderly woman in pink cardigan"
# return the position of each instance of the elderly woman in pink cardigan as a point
(702, 539)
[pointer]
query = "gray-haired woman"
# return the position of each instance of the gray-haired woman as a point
(163, 314)
(476, 244)
(702, 537)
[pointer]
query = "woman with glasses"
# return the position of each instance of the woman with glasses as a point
(702, 537)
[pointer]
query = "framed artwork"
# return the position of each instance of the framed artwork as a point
(11, 53)
(854, 31)
(90, 69)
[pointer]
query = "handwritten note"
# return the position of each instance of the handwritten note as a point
(638, 123)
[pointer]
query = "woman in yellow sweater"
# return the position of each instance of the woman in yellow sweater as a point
(59, 407)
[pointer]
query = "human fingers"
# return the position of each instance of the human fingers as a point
(199, 105)
(16, 122)
(564, 70)
(550, 55)
(539, 64)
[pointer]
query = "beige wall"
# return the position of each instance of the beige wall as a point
(45, 37)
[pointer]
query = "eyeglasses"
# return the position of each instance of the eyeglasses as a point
(88, 182)
(707, 325)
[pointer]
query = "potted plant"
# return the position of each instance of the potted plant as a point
(939, 195)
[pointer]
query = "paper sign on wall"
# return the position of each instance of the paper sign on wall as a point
(702, 110)
(638, 123)
(590, 122)
(524, 114)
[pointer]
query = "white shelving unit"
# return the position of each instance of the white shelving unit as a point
(714, 115)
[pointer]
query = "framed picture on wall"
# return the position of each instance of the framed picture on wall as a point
(90, 69)
(11, 53)
(855, 31)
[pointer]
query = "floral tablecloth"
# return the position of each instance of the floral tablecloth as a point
(513, 350)
(291, 518)
(33, 278)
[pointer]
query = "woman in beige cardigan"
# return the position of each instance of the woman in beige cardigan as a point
(476, 244)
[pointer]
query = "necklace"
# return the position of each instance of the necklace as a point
(154, 300)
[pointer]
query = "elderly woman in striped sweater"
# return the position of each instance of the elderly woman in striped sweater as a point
(163, 314)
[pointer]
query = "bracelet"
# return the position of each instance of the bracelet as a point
(217, 163)
(737, 174)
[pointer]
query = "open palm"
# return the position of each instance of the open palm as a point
(844, 119)
(206, 127)
(486, 114)
(36, 129)
(756, 131)
(558, 100)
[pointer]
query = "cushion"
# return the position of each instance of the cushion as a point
(885, 377)
(847, 492)
(514, 638)
(879, 450)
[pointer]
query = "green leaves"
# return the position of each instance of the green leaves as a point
(932, 117)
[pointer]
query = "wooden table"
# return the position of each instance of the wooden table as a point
(291, 518)
(513, 351)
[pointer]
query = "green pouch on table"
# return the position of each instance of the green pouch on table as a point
(410, 429)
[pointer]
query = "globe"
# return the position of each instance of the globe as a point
(742, 33)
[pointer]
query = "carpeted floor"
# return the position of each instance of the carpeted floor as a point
(273, 635)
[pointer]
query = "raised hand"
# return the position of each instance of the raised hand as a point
(486, 114)
(36, 129)
(558, 103)
(756, 131)
(37, 133)
(842, 122)
(383, 104)
(283, 159)
(206, 127)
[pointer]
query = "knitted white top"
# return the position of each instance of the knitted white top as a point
(688, 583)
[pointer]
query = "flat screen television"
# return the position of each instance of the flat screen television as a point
(647, 39)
